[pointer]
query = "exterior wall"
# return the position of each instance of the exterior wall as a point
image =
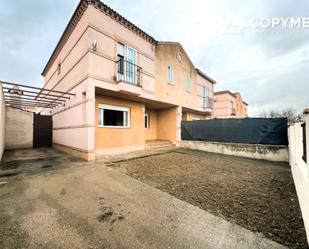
(108, 33)
(73, 59)
(74, 124)
(223, 105)
(300, 169)
(228, 105)
(241, 107)
(176, 94)
(151, 132)
(2, 122)
(167, 124)
(84, 69)
(257, 151)
(189, 116)
(18, 129)
(110, 140)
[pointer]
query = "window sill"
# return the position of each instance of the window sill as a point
(114, 127)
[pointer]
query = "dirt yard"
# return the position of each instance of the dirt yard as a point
(257, 195)
(76, 204)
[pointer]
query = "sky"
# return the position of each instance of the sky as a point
(267, 64)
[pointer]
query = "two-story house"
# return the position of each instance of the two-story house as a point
(229, 105)
(129, 87)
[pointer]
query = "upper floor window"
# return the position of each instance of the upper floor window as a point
(205, 97)
(188, 84)
(170, 75)
(126, 61)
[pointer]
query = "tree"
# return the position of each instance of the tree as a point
(289, 113)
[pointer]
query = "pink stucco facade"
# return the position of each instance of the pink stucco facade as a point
(229, 105)
(85, 63)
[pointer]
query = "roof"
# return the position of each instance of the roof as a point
(205, 76)
(229, 92)
(201, 73)
(78, 13)
(225, 91)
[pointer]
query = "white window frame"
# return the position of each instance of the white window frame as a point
(170, 75)
(126, 115)
(205, 98)
(188, 84)
(147, 117)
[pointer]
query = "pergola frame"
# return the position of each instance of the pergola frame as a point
(29, 96)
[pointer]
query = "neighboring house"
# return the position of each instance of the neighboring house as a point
(229, 105)
(129, 87)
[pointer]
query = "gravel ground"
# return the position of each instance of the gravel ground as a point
(255, 194)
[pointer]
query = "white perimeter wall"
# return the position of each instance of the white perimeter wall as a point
(300, 169)
(18, 129)
(256, 151)
(2, 122)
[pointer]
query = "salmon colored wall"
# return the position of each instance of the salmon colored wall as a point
(167, 124)
(176, 93)
(151, 132)
(83, 70)
(188, 116)
(241, 107)
(108, 33)
(117, 137)
(70, 56)
(224, 104)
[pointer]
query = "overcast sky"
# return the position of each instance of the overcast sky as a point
(268, 66)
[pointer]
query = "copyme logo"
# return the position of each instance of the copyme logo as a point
(237, 25)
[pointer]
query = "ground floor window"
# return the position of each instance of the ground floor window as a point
(146, 120)
(114, 116)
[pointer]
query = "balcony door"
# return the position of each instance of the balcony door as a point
(127, 57)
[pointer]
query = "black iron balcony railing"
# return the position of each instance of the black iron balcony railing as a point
(128, 72)
(207, 102)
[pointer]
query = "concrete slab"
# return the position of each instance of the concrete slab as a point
(99, 207)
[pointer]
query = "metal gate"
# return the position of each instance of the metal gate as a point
(42, 131)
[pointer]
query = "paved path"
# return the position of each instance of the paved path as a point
(95, 206)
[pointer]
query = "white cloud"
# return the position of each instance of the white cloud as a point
(268, 67)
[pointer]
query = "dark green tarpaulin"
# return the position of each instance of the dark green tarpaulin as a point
(271, 131)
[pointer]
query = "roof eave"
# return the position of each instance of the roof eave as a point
(205, 76)
(78, 13)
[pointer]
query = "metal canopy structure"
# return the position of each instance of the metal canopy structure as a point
(24, 97)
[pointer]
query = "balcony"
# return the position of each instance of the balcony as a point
(128, 77)
(128, 72)
(208, 103)
(233, 112)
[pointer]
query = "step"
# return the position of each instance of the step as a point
(159, 145)
(158, 142)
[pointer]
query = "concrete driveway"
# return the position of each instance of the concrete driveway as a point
(93, 206)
